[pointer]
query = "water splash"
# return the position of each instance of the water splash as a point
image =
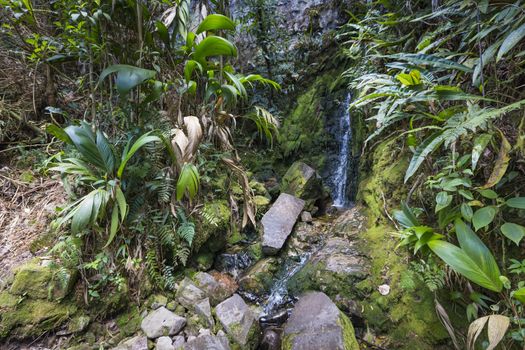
(278, 295)
(344, 137)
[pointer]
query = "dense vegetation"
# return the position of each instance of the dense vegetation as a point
(445, 82)
(144, 115)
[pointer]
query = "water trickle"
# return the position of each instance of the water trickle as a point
(278, 295)
(344, 138)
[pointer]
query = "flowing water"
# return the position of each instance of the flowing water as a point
(278, 295)
(344, 138)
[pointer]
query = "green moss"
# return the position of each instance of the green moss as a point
(34, 317)
(204, 260)
(129, 322)
(406, 315)
(303, 130)
(8, 300)
(216, 223)
(350, 343)
(41, 282)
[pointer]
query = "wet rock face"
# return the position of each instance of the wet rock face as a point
(302, 181)
(162, 322)
(279, 221)
(239, 321)
(334, 269)
(317, 323)
(259, 278)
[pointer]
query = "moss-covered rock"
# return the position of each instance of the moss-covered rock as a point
(41, 280)
(259, 278)
(34, 317)
(302, 181)
(214, 226)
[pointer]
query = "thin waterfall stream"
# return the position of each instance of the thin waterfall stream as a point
(344, 138)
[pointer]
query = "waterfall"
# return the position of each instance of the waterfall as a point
(344, 138)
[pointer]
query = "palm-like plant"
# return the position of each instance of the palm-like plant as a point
(99, 168)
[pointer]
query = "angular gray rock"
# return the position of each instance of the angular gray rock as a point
(164, 343)
(279, 221)
(238, 320)
(135, 343)
(302, 181)
(207, 342)
(316, 323)
(178, 342)
(162, 322)
(203, 309)
(188, 293)
(216, 291)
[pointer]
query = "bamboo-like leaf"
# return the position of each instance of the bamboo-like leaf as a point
(121, 201)
(422, 151)
(430, 60)
(215, 22)
(194, 134)
(510, 41)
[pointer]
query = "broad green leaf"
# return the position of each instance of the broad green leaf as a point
(501, 164)
(215, 22)
(85, 142)
(474, 247)
(516, 202)
(519, 295)
(106, 152)
(59, 133)
(114, 225)
(188, 181)
(128, 77)
(483, 217)
(214, 46)
(466, 194)
(460, 262)
(141, 141)
(486, 58)
(480, 143)
(490, 194)
(405, 216)
(466, 212)
(121, 201)
(163, 32)
(189, 67)
(514, 232)
(510, 41)
(443, 199)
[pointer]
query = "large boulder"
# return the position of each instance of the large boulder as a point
(279, 221)
(316, 323)
(335, 269)
(162, 322)
(304, 182)
(239, 321)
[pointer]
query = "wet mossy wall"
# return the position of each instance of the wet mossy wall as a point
(406, 316)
